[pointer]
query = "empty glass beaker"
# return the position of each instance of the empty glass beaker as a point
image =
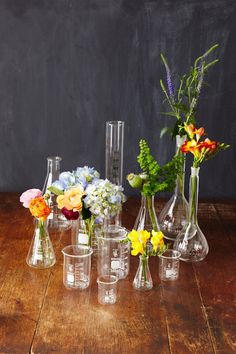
(77, 266)
(107, 289)
(113, 252)
(169, 265)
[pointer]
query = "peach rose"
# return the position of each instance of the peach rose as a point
(39, 208)
(72, 199)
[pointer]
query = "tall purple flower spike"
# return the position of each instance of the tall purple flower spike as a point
(169, 81)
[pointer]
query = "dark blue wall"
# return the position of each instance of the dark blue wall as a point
(66, 67)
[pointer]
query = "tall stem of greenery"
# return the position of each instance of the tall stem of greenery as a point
(152, 213)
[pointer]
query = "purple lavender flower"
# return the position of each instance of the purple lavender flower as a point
(168, 78)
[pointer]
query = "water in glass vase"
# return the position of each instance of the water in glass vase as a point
(191, 242)
(147, 218)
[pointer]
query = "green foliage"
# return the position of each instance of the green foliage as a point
(55, 190)
(158, 178)
(184, 101)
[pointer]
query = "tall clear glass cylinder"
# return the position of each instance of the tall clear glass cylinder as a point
(191, 242)
(114, 156)
(173, 216)
(114, 151)
(56, 219)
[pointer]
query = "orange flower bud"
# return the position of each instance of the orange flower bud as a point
(39, 208)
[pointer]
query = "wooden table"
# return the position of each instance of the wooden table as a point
(196, 314)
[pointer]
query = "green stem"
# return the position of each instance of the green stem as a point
(144, 267)
(42, 235)
(193, 199)
(152, 213)
(89, 224)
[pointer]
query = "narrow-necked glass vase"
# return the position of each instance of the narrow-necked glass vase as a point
(174, 215)
(56, 219)
(147, 218)
(114, 155)
(191, 242)
(41, 253)
(143, 279)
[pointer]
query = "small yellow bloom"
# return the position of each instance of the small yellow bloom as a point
(137, 248)
(144, 236)
(133, 236)
(157, 239)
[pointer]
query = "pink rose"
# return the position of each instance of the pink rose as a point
(28, 195)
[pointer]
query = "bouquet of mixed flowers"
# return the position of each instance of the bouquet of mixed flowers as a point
(83, 193)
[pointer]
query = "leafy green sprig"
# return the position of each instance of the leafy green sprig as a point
(154, 178)
(183, 101)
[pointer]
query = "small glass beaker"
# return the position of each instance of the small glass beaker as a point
(169, 265)
(107, 289)
(77, 266)
(113, 252)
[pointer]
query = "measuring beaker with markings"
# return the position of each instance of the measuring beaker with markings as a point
(77, 266)
(113, 252)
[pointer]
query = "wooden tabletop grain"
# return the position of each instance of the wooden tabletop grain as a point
(195, 314)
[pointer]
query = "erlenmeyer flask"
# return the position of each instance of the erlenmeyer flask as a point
(173, 216)
(41, 254)
(143, 279)
(191, 242)
(56, 219)
(147, 218)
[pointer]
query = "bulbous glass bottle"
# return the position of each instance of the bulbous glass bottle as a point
(147, 218)
(191, 242)
(174, 215)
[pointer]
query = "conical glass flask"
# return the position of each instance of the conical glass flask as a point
(56, 219)
(147, 218)
(143, 279)
(174, 215)
(41, 254)
(191, 242)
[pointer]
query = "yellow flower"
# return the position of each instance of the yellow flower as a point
(72, 199)
(144, 236)
(137, 248)
(133, 236)
(157, 239)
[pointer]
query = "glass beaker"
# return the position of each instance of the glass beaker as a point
(107, 289)
(114, 155)
(169, 265)
(113, 252)
(56, 219)
(77, 266)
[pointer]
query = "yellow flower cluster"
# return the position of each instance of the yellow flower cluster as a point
(140, 238)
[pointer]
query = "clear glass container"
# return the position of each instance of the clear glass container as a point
(113, 252)
(82, 232)
(169, 265)
(107, 289)
(56, 219)
(147, 218)
(191, 242)
(41, 253)
(143, 279)
(77, 266)
(114, 155)
(174, 215)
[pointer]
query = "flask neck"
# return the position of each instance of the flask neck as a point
(193, 194)
(179, 189)
(53, 165)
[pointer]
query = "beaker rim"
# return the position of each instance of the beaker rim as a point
(102, 279)
(110, 228)
(57, 158)
(173, 254)
(115, 122)
(65, 251)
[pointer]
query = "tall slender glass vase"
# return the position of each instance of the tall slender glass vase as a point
(56, 219)
(41, 254)
(147, 218)
(174, 215)
(191, 242)
(114, 155)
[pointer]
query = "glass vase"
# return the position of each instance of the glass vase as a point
(174, 215)
(41, 254)
(82, 232)
(191, 242)
(56, 219)
(147, 218)
(143, 279)
(114, 156)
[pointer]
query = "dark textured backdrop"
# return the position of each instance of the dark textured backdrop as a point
(67, 66)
